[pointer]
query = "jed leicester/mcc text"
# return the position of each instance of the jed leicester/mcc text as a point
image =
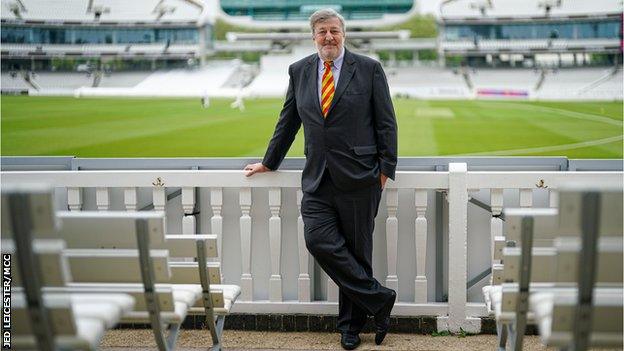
(6, 301)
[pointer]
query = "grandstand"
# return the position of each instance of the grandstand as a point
(424, 82)
(37, 35)
(586, 83)
(528, 33)
(273, 15)
(210, 80)
(533, 49)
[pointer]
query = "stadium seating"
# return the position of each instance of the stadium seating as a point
(427, 82)
(13, 82)
(577, 83)
(206, 81)
(270, 79)
(273, 77)
(524, 79)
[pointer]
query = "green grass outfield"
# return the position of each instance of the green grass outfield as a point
(103, 127)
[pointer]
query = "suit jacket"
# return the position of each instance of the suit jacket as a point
(357, 139)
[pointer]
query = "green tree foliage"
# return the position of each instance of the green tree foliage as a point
(221, 28)
(419, 26)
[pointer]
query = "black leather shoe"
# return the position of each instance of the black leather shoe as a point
(349, 341)
(382, 320)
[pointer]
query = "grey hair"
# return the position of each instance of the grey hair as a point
(323, 15)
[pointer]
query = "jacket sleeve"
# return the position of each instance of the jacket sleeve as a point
(385, 123)
(286, 129)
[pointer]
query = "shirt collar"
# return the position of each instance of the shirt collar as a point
(337, 61)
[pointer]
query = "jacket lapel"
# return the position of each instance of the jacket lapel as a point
(346, 73)
(311, 75)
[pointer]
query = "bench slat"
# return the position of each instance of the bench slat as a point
(42, 217)
(545, 224)
(123, 266)
(54, 269)
(113, 229)
(608, 264)
(542, 268)
(188, 272)
(164, 292)
(184, 245)
(571, 213)
(59, 309)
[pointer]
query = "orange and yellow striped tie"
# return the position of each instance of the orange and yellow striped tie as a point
(327, 88)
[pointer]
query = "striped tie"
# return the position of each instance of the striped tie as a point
(327, 90)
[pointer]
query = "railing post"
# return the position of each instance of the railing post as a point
(305, 259)
(553, 198)
(130, 198)
(245, 233)
(216, 222)
(496, 223)
(392, 237)
(332, 290)
(526, 197)
(275, 241)
(188, 207)
(74, 198)
(458, 232)
(158, 198)
(102, 198)
(420, 232)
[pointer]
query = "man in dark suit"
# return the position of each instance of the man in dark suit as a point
(342, 100)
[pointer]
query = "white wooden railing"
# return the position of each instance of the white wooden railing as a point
(123, 190)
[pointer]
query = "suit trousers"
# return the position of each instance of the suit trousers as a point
(338, 227)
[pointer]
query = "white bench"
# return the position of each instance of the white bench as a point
(43, 320)
(589, 313)
(507, 274)
(112, 252)
(550, 260)
(533, 278)
(554, 313)
(167, 292)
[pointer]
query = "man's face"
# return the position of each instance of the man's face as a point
(329, 39)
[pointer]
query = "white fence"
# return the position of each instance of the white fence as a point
(260, 229)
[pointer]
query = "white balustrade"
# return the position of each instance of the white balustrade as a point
(304, 287)
(332, 290)
(455, 315)
(245, 236)
(130, 198)
(392, 238)
(216, 221)
(159, 198)
(74, 198)
(420, 232)
(102, 198)
(275, 241)
(458, 319)
(526, 197)
(188, 208)
(553, 198)
(496, 223)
